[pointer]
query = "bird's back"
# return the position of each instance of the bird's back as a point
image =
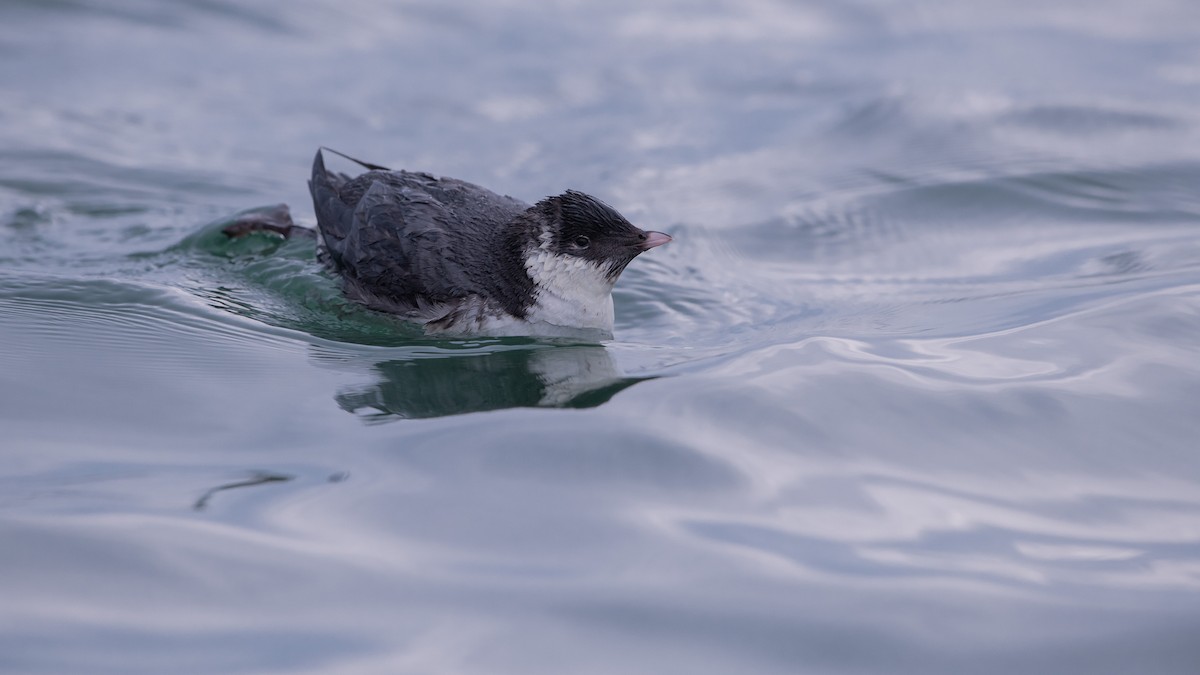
(405, 241)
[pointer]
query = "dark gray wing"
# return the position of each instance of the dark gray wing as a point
(404, 240)
(407, 245)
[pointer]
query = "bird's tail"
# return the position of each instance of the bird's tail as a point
(334, 218)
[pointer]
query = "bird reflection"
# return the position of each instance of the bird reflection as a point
(578, 376)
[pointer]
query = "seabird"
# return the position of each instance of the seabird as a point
(460, 259)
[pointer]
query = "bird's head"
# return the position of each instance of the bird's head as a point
(579, 226)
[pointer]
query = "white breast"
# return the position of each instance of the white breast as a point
(569, 291)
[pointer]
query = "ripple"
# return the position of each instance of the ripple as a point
(152, 325)
(96, 187)
(1087, 120)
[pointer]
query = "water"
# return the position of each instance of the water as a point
(914, 390)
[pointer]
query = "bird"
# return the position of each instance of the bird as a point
(459, 259)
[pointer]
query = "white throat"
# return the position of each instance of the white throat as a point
(569, 291)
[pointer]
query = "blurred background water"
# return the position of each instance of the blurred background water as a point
(914, 390)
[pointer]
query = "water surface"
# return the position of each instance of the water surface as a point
(914, 390)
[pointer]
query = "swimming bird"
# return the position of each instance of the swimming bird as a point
(460, 259)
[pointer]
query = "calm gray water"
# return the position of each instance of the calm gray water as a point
(916, 389)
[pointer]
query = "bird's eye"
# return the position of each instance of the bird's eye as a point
(582, 242)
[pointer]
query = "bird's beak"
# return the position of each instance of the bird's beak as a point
(654, 239)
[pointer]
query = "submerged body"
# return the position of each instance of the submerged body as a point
(458, 258)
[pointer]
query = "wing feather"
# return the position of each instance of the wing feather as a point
(409, 242)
